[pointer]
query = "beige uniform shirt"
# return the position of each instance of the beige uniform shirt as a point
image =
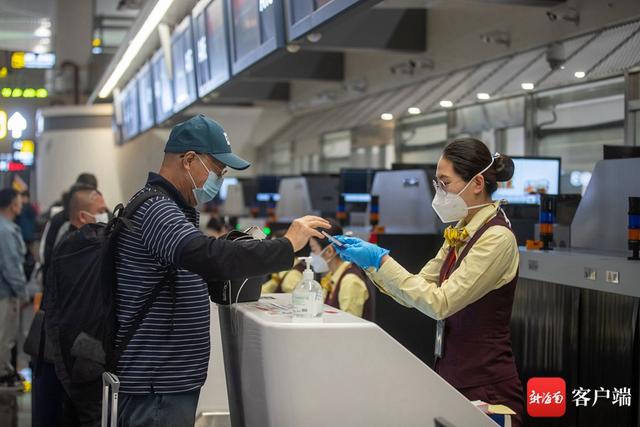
(288, 280)
(490, 264)
(353, 291)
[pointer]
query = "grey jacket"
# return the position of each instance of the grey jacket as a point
(13, 282)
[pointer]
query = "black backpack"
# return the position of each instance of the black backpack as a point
(80, 302)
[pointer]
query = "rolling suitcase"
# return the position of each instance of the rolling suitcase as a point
(110, 386)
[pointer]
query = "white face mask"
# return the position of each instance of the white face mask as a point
(100, 217)
(318, 263)
(451, 207)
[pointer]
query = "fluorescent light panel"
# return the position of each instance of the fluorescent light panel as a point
(149, 25)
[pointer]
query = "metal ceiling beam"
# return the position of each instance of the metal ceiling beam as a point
(381, 29)
(303, 65)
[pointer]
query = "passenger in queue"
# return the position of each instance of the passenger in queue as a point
(51, 406)
(164, 365)
(469, 286)
(345, 284)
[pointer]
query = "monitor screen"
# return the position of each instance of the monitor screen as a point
(532, 176)
(212, 54)
(620, 151)
(145, 97)
(162, 88)
(355, 184)
(303, 16)
(268, 186)
(129, 107)
(257, 29)
(184, 75)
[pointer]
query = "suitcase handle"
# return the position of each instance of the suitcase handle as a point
(110, 381)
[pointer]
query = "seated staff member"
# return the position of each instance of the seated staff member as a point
(345, 283)
(469, 286)
(287, 280)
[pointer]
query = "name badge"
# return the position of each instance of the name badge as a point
(437, 351)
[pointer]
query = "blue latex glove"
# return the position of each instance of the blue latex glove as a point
(359, 252)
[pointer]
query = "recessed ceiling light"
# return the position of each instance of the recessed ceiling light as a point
(446, 103)
(314, 37)
(483, 96)
(414, 111)
(386, 116)
(527, 86)
(293, 48)
(580, 74)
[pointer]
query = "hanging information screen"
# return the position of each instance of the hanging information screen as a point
(129, 107)
(303, 16)
(184, 74)
(162, 88)
(145, 98)
(212, 53)
(256, 28)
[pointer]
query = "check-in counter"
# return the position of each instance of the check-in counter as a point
(341, 371)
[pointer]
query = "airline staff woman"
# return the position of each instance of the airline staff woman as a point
(469, 286)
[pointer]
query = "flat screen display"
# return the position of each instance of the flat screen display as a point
(303, 16)
(257, 29)
(268, 187)
(184, 74)
(532, 176)
(162, 88)
(145, 98)
(129, 106)
(212, 53)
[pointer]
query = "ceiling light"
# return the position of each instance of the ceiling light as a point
(446, 103)
(414, 111)
(314, 37)
(483, 96)
(527, 86)
(386, 116)
(293, 48)
(42, 31)
(580, 74)
(149, 25)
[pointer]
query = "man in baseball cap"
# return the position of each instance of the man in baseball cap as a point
(162, 372)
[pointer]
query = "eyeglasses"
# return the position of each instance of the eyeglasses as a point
(441, 186)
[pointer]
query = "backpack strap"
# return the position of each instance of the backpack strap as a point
(123, 219)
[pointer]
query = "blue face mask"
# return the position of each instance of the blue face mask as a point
(210, 187)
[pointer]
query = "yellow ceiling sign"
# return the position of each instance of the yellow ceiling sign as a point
(28, 146)
(17, 60)
(3, 124)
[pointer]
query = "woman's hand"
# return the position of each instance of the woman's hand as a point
(359, 252)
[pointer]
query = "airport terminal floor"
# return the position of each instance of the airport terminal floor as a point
(285, 213)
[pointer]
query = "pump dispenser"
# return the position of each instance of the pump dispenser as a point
(308, 299)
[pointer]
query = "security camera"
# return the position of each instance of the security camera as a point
(497, 37)
(552, 16)
(565, 13)
(556, 56)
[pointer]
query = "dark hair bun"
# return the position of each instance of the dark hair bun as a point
(504, 167)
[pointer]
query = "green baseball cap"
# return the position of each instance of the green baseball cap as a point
(203, 135)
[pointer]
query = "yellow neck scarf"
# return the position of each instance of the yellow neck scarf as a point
(455, 237)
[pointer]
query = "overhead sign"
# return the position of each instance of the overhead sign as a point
(17, 124)
(39, 60)
(3, 124)
(18, 92)
(17, 60)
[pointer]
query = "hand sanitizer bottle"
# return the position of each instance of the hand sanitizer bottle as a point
(308, 299)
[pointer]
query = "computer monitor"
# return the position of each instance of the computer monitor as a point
(268, 188)
(620, 151)
(532, 176)
(355, 184)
